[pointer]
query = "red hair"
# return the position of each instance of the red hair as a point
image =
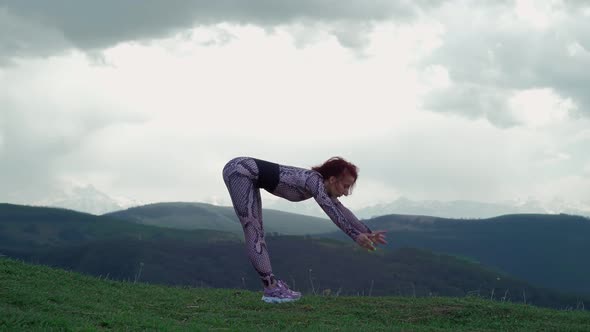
(336, 166)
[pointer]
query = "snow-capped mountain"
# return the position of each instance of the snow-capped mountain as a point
(473, 209)
(87, 199)
(308, 207)
(444, 209)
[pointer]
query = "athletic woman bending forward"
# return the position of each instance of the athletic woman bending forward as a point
(244, 176)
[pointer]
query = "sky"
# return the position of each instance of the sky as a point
(432, 100)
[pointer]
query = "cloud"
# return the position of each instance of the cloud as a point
(448, 157)
(20, 38)
(41, 28)
(492, 52)
(505, 89)
(43, 121)
(472, 101)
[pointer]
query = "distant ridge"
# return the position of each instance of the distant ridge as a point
(472, 209)
(546, 249)
(87, 198)
(193, 215)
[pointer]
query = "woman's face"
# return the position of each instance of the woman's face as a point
(338, 186)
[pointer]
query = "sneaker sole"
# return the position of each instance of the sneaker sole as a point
(268, 299)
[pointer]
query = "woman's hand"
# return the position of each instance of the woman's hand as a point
(369, 240)
(377, 237)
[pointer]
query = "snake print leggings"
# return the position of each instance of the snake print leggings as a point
(240, 176)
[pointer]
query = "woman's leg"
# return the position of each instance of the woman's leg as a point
(240, 175)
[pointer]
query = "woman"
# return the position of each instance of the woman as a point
(244, 176)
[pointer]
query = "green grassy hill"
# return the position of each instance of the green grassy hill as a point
(27, 227)
(184, 215)
(41, 298)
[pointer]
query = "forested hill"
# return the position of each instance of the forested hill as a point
(122, 250)
(547, 250)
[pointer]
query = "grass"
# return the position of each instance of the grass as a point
(41, 298)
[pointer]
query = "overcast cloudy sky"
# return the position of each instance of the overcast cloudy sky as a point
(433, 100)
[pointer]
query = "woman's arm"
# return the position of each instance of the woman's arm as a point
(340, 215)
(357, 224)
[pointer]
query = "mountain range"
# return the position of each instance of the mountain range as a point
(474, 209)
(112, 247)
(445, 209)
(544, 249)
(91, 200)
(189, 216)
(85, 198)
(547, 249)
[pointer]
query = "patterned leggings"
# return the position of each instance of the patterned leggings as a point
(240, 176)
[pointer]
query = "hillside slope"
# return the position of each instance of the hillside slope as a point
(36, 297)
(122, 250)
(27, 227)
(185, 215)
(546, 250)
